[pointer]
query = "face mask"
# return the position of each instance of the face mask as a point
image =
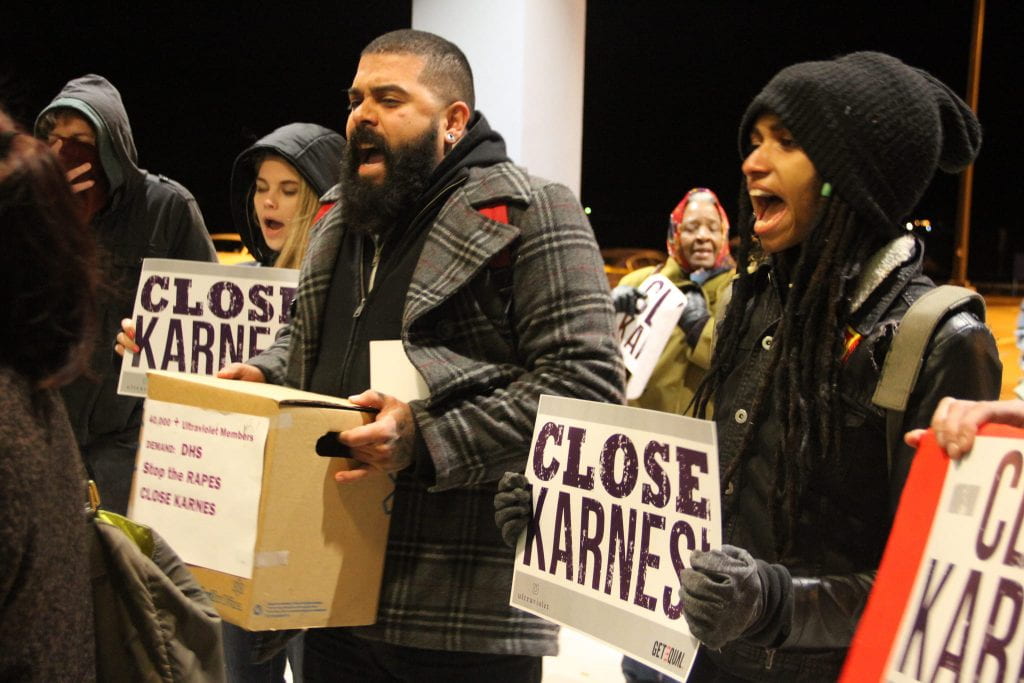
(74, 153)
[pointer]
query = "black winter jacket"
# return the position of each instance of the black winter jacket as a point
(146, 216)
(845, 517)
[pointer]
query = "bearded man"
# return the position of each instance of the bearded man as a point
(493, 282)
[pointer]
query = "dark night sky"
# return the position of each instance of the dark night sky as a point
(666, 83)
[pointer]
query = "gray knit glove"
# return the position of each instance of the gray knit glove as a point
(723, 594)
(626, 299)
(513, 506)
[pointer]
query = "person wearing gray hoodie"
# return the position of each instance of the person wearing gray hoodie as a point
(136, 215)
(275, 228)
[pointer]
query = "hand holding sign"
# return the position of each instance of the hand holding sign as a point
(513, 505)
(728, 595)
(956, 422)
(125, 340)
(626, 299)
(694, 315)
(642, 337)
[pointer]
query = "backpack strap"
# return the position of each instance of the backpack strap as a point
(907, 353)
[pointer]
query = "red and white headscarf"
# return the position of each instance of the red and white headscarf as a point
(675, 222)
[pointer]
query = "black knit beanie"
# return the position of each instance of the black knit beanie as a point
(873, 127)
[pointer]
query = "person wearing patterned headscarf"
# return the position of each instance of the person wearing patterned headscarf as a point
(700, 265)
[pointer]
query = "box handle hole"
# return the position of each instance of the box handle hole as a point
(328, 446)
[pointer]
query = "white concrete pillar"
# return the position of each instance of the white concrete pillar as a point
(527, 59)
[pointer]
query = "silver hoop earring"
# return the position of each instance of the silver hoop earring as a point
(451, 137)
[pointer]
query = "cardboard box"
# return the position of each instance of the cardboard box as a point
(309, 552)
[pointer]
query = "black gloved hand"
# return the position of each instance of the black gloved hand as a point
(695, 315)
(626, 299)
(513, 505)
(724, 594)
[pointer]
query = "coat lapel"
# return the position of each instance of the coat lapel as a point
(461, 240)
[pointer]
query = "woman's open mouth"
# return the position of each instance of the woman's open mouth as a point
(768, 210)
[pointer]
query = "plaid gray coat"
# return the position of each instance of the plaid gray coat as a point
(447, 576)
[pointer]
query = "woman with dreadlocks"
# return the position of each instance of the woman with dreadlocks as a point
(835, 155)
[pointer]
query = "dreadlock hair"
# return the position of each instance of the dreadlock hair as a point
(804, 368)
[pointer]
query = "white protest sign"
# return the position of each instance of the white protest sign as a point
(392, 373)
(949, 595)
(621, 497)
(198, 478)
(642, 337)
(197, 317)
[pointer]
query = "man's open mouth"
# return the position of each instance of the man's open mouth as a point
(371, 154)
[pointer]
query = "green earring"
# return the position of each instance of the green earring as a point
(826, 189)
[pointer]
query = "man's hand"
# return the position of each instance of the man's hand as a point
(242, 371)
(386, 443)
(126, 338)
(956, 422)
(75, 172)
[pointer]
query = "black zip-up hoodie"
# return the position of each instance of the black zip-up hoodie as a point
(146, 216)
(314, 151)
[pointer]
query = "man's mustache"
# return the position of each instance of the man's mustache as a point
(365, 136)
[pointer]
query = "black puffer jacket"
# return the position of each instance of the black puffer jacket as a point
(314, 151)
(147, 216)
(845, 517)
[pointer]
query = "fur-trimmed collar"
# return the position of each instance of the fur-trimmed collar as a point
(880, 265)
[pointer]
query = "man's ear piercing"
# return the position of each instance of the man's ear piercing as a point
(451, 137)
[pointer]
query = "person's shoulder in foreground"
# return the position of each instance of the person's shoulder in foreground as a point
(49, 280)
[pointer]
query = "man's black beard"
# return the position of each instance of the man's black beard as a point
(377, 208)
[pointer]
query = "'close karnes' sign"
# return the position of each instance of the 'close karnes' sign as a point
(197, 317)
(949, 594)
(621, 497)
